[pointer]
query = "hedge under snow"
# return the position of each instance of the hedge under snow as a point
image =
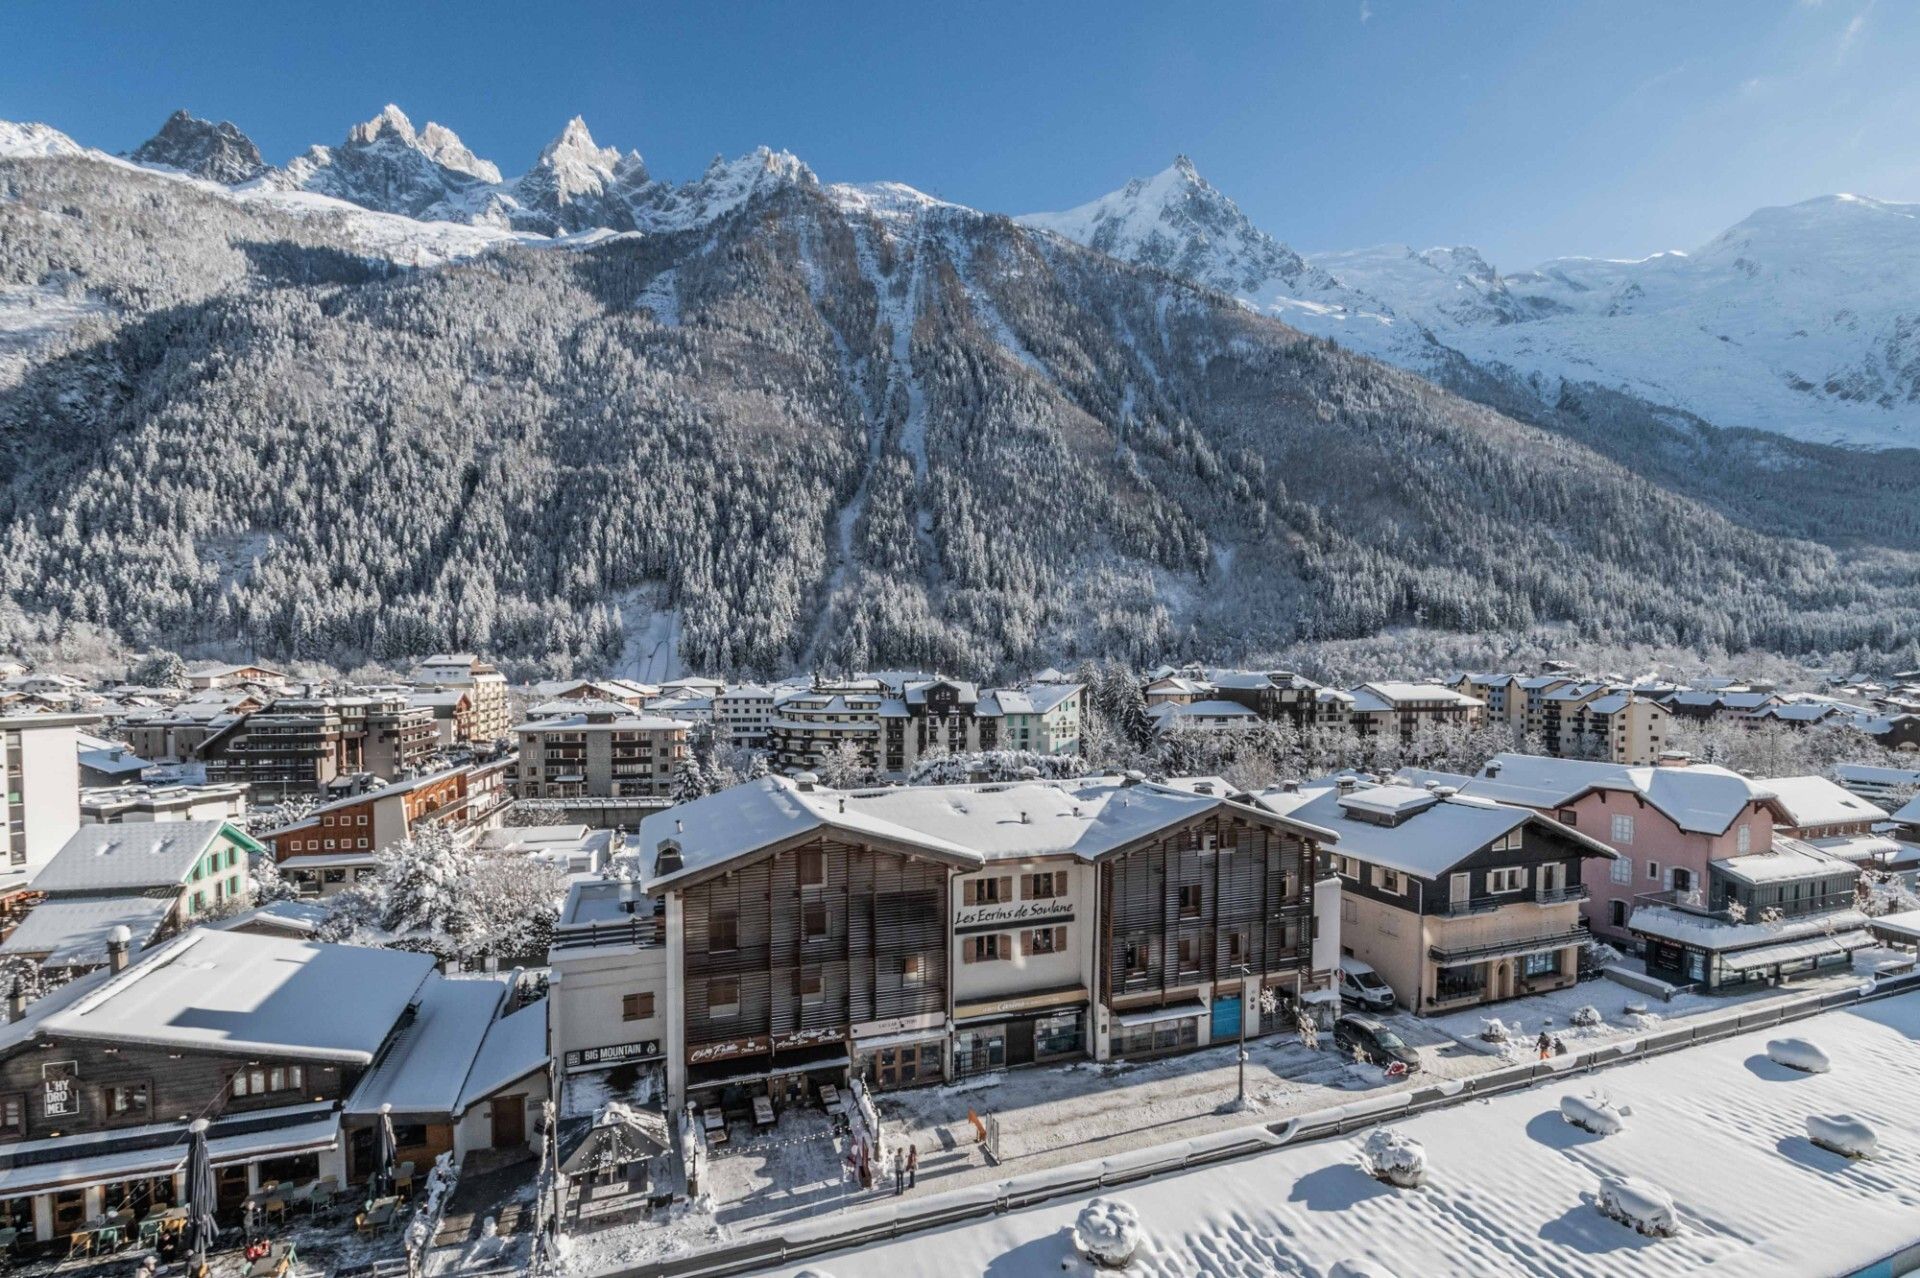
(1642, 1207)
(1798, 1053)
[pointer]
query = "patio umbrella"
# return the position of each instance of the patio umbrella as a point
(201, 1228)
(383, 1155)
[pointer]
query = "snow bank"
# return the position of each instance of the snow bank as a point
(1108, 1232)
(1798, 1053)
(1642, 1207)
(1594, 1113)
(1495, 1030)
(1843, 1134)
(1587, 1017)
(1395, 1157)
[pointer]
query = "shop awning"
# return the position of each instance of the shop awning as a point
(1155, 1015)
(1507, 949)
(984, 1011)
(1812, 947)
(159, 1160)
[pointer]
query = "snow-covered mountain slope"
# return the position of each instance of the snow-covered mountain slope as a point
(1804, 320)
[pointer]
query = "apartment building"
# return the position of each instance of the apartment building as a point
(746, 711)
(1271, 694)
(915, 934)
(935, 716)
(39, 792)
(1387, 708)
(488, 714)
(121, 804)
(809, 727)
(1042, 717)
(1456, 901)
(602, 753)
(297, 745)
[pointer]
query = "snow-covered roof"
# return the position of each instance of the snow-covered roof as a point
(1171, 710)
(133, 855)
(425, 1069)
(605, 717)
(1513, 1185)
(301, 917)
(1033, 699)
(1790, 860)
(1394, 692)
(1816, 801)
(515, 1046)
(74, 932)
(964, 825)
(1431, 833)
(235, 992)
(1700, 798)
(1687, 928)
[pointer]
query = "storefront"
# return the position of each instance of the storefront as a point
(1028, 1029)
(896, 1061)
(1156, 1031)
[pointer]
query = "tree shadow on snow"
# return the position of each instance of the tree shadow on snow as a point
(1047, 1254)
(1811, 1156)
(1760, 1065)
(1337, 1188)
(1555, 1132)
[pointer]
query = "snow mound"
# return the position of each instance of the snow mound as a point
(1495, 1030)
(1593, 1113)
(1395, 1157)
(1843, 1134)
(1798, 1053)
(1642, 1207)
(1587, 1017)
(1108, 1232)
(1360, 1269)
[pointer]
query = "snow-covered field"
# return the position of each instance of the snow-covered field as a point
(1513, 1188)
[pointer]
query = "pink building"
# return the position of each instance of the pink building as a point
(1666, 822)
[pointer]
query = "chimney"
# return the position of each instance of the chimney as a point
(668, 859)
(1023, 816)
(1345, 785)
(119, 941)
(1674, 759)
(806, 781)
(1493, 769)
(679, 827)
(17, 999)
(1134, 776)
(1290, 786)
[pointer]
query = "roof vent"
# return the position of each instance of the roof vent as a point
(1345, 785)
(1133, 776)
(1493, 769)
(668, 860)
(679, 826)
(1444, 791)
(1290, 786)
(1023, 816)
(807, 780)
(1675, 758)
(843, 805)
(1203, 787)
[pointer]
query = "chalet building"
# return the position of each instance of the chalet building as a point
(128, 804)
(624, 692)
(39, 792)
(745, 711)
(231, 676)
(1177, 688)
(1271, 694)
(917, 934)
(1667, 823)
(809, 727)
(289, 1049)
(935, 716)
(1042, 717)
(602, 753)
(339, 844)
(1763, 919)
(1733, 702)
(1455, 901)
(1385, 708)
(1204, 716)
(192, 868)
(488, 716)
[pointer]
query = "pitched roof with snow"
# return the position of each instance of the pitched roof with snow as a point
(74, 933)
(133, 855)
(1700, 798)
(235, 992)
(427, 1066)
(515, 1046)
(1816, 801)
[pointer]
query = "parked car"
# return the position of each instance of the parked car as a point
(1361, 985)
(1370, 1041)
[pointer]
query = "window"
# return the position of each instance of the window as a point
(1236, 947)
(1190, 901)
(986, 949)
(1553, 876)
(1653, 869)
(1188, 952)
(259, 1081)
(1046, 887)
(1138, 956)
(333, 876)
(913, 970)
(813, 868)
(1349, 912)
(813, 921)
(1506, 879)
(1508, 842)
(1621, 871)
(723, 996)
(1346, 866)
(987, 891)
(123, 1100)
(813, 988)
(1547, 964)
(1046, 940)
(1617, 913)
(636, 1007)
(13, 1115)
(1623, 827)
(1744, 839)
(723, 931)
(1389, 881)
(1568, 816)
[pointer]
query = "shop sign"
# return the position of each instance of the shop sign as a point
(62, 1082)
(727, 1051)
(614, 1055)
(987, 918)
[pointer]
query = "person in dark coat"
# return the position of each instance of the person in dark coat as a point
(913, 1165)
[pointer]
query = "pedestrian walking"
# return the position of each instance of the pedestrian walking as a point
(1545, 1044)
(913, 1165)
(899, 1173)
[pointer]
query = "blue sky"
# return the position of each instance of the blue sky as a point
(1527, 129)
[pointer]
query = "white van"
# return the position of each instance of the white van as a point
(1359, 983)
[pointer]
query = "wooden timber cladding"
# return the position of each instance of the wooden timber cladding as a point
(878, 950)
(1178, 906)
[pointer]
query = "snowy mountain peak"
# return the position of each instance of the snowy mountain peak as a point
(391, 122)
(21, 140)
(443, 146)
(219, 152)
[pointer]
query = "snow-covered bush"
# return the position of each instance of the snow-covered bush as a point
(1798, 1053)
(1594, 1113)
(1495, 1030)
(1642, 1207)
(1108, 1232)
(1843, 1134)
(1587, 1017)
(1395, 1157)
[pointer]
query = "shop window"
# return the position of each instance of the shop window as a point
(636, 1007)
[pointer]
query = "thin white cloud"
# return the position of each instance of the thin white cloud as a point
(1366, 11)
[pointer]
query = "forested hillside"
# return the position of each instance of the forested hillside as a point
(826, 427)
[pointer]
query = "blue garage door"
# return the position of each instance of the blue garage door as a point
(1226, 1018)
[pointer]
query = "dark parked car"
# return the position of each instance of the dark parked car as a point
(1369, 1040)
